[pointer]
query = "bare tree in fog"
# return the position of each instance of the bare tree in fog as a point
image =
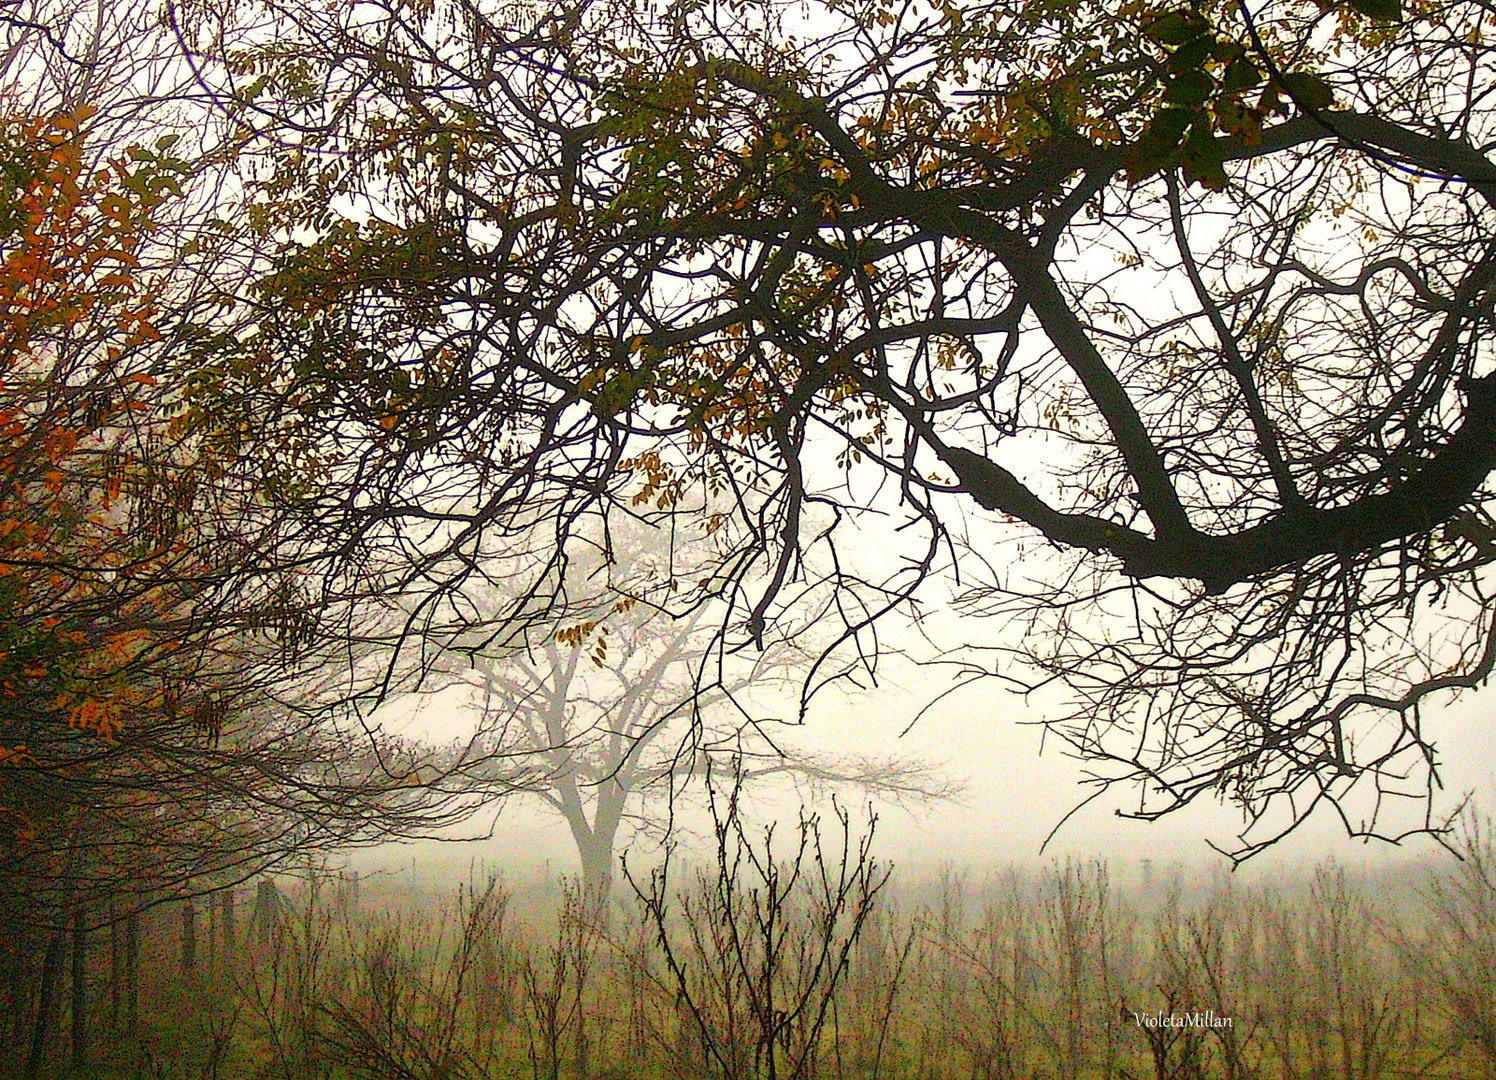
(607, 725)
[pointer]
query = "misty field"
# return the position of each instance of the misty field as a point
(814, 962)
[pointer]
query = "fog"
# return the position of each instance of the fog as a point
(1023, 800)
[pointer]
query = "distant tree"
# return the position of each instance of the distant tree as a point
(608, 721)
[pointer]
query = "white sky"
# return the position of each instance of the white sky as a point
(1014, 793)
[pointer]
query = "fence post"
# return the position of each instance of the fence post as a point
(267, 910)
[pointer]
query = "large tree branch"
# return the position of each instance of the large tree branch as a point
(1425, 497)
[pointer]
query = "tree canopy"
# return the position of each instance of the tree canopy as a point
(169, 714)
(1155, 328)
(155, 710)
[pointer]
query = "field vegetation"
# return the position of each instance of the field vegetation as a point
(795, 953)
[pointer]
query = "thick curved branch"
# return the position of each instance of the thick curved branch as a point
(1422, 500)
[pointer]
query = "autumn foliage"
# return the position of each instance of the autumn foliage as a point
(94, 566)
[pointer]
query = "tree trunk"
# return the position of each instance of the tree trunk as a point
(116, 967)
(189, 939)
(597, 871)
(46, 1005)
(595, 841)
(347, 890)
(215, 930)
(267, 908)
(80, 992)
(17, 991)
(132, 972)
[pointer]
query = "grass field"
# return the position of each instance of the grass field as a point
(819, 967)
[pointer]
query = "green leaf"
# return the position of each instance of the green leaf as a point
(1155, 148)
(615, 395)
(1169, 124)
(1228, 52)
(1189, 88)
(1203, 159)
(1270, 102)
(1308, 90)
(1241, 74)
(1193, 54)
(1175, 28)
(1381, 10)
(1234, 118)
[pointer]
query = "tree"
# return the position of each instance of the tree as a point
(611, 718)
(72, 299)
(166, 722)
(160, 729)
(1157, 326)
(137, 626)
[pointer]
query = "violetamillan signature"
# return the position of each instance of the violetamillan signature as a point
(1207, 1018)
